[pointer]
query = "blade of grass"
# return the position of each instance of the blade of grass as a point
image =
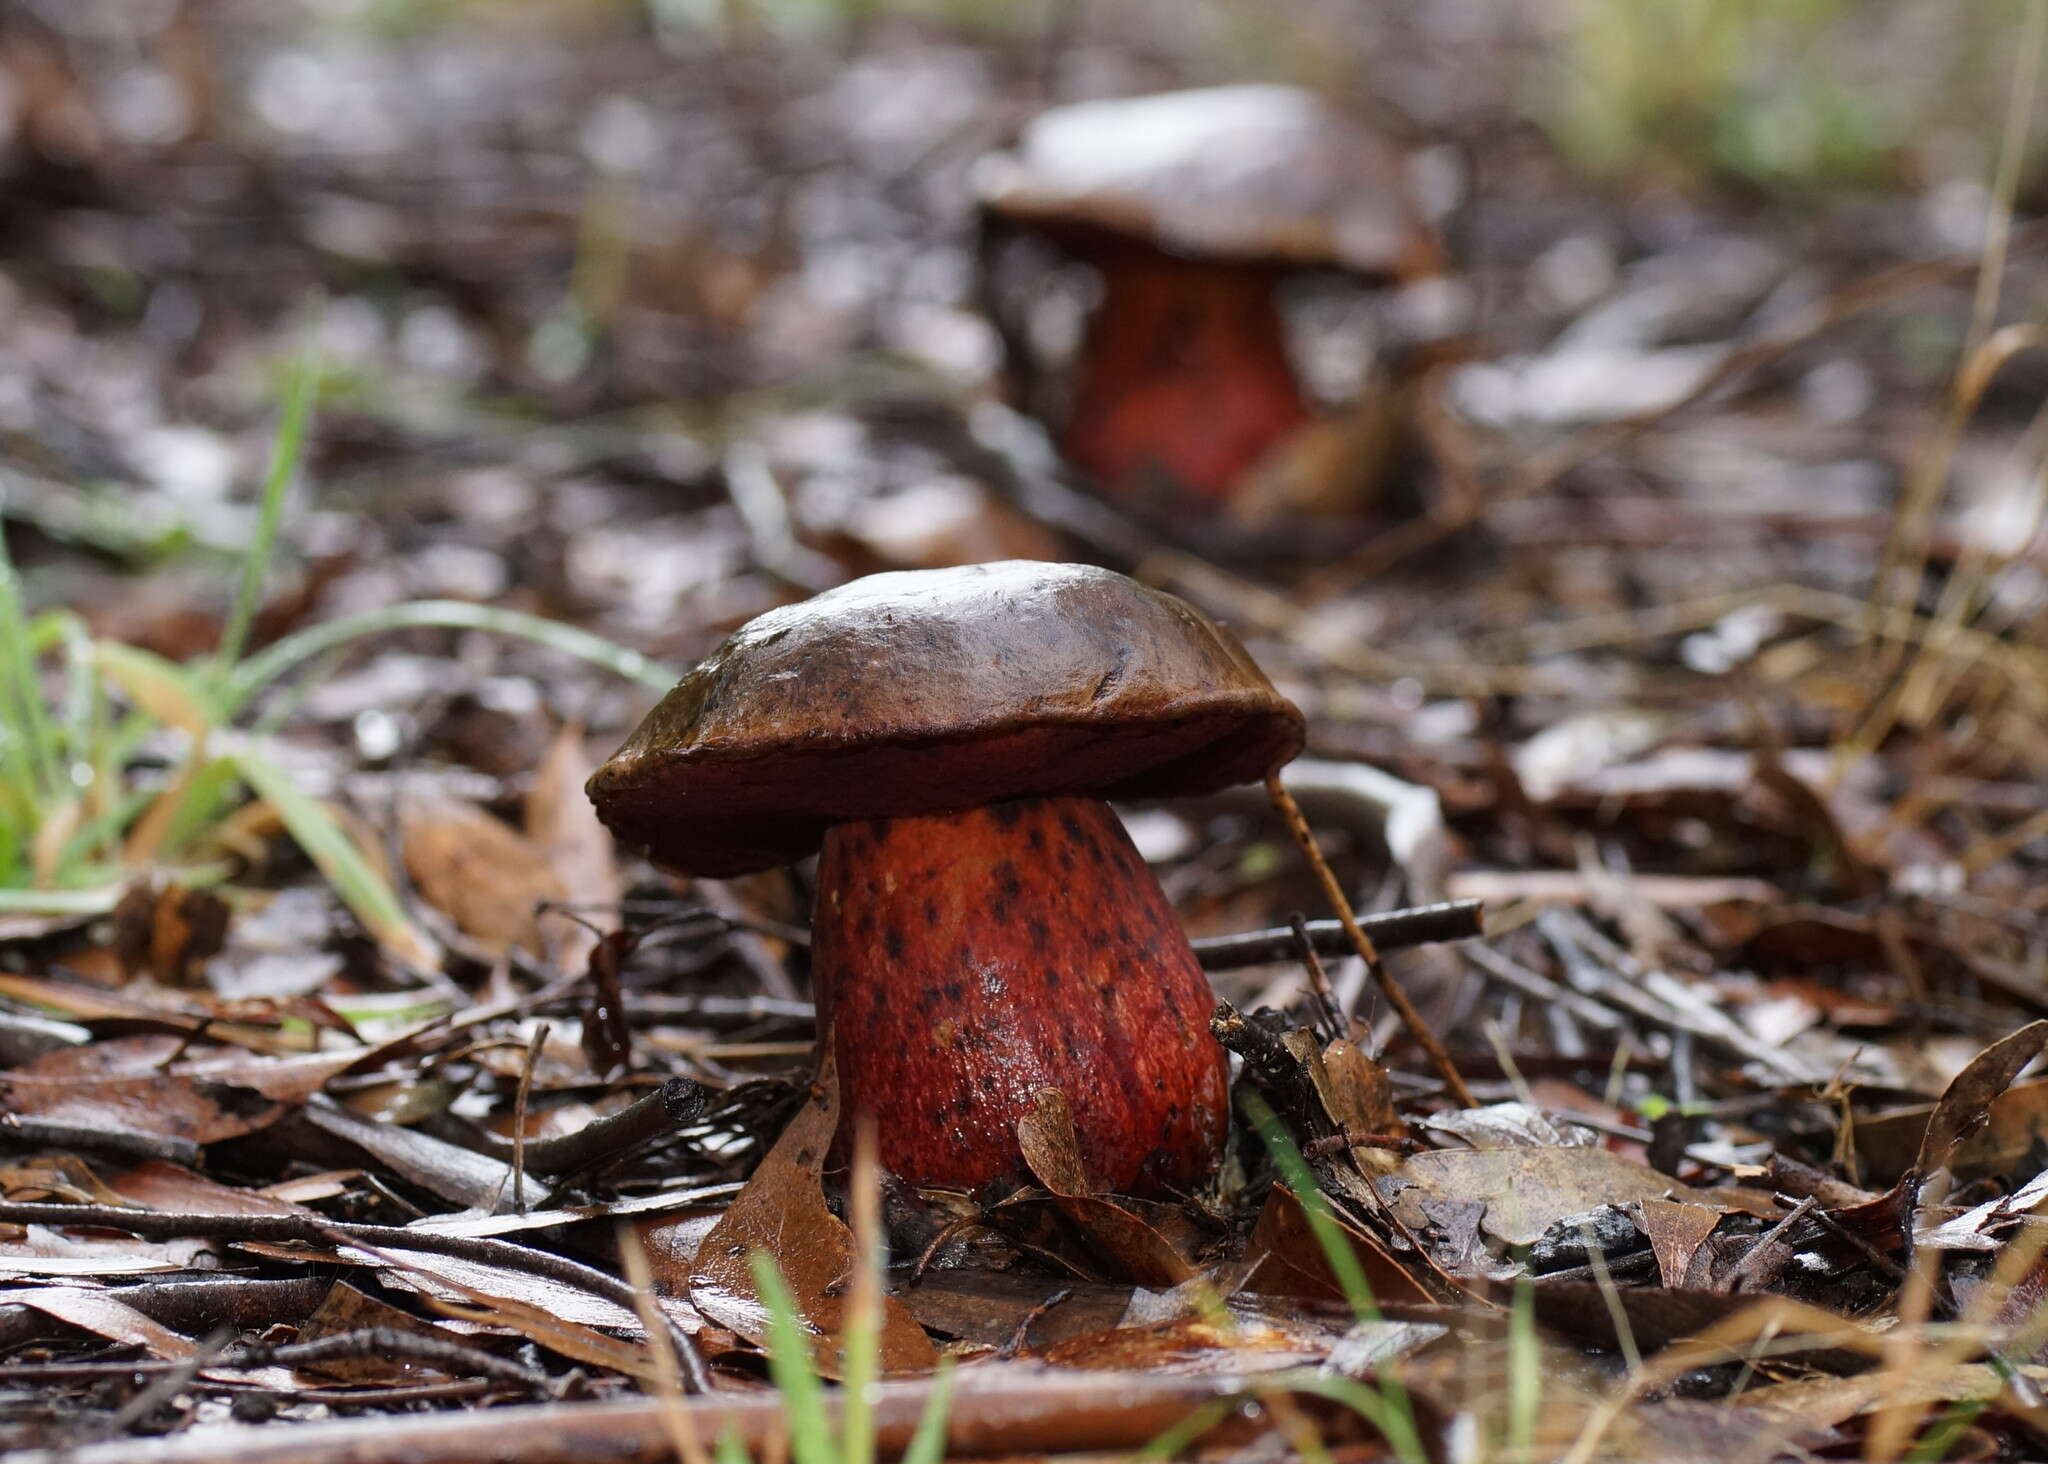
(315, 831)
(928, 1444)
(1315, 1206)
(158, 687)
(791, 1366)
(1337, 1252)
(1525, 1371)
(860, 1332)
(59, 902)
(1389, 1414)
(301, 387)
(252, 675)
(25, 736)
(668, 1371)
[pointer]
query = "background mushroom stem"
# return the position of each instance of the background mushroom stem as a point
(1185, 381)
(1439, 1056)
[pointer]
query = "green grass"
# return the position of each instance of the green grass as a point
(83, 812)
(812, 1437)
(1384, 1403)
(1787, 95)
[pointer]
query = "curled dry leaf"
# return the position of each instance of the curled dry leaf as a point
(1135, 1247)
(563, 827)
(170, 931)
(1966, 1105)
(782, 1211)
(479, 871)
(2015, 1125)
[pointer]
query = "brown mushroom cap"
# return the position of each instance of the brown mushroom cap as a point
(933, 691)
(1256, 173)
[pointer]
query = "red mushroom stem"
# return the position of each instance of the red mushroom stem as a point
(966, 961)
(1184, 381)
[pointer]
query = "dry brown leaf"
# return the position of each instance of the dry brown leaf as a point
(562, 824)
(1677, 1230)
(1526, 1191)
(782, 1211)
(1284, 1258)
(1136, 1248)
(1965, 1107)
(479, 871)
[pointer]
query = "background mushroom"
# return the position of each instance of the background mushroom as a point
(1191, 206)
(984, 928)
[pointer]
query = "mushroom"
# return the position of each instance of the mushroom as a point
(983, 928)
(1191, 205)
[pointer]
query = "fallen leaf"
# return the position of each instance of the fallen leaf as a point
(346, 1309)
(1051, 1149)
(105, 1315)
(1677, 1230)
(1965, 1107)
(479, 871)
(1526, 1191)
(1284, 1258)
(156, 1185)
(562, 824)
(1511, 1126)
(782, 1211)
(61, 1088)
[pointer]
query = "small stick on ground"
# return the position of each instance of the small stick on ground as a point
(1390, 930)
(1333, 1020)
(1362, 944)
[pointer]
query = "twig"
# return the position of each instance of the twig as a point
(516, 1175)
(1333, 1021)
(319, 1231)
(1361, 943)
(45, 1134)
(441, 1353)
(1390, 930)
(1019, 1409)
(676, 1103)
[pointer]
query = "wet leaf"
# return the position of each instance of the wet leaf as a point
(1134, 1247)
(782, 1211)
(1284, 1258)
(345, 1309)
(1966, 1105)
(66, 1088)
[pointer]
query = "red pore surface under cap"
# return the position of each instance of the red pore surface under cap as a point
(967, 961)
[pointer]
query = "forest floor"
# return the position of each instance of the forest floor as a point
(1689, 613)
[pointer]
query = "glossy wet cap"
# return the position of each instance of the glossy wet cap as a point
(1260, 173)
(933, 691)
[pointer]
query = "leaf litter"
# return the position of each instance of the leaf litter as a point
(1745, 764)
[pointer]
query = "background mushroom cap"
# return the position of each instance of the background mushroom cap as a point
(1259, 173)
(931, 691)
